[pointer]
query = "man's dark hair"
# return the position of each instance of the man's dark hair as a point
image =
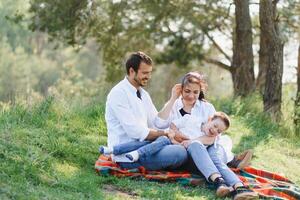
(135, 60)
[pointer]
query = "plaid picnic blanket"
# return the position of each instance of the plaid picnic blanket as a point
(267, 184)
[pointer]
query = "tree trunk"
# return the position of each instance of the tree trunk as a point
(273, 85)
(243, 66)
(263, 63)
(297, 101)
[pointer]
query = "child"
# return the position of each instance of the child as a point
(189, 125)
(195, 128)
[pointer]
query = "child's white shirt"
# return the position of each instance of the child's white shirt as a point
(190, 126)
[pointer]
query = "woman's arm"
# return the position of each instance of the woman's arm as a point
(165, 111)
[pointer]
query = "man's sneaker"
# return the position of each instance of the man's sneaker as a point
(222, 189)
(241, 160)
(244, 193)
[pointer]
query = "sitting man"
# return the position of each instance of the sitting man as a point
(130, 116)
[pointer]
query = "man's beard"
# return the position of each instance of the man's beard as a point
(139, 81)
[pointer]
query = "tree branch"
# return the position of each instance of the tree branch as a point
(219, 64)
(218, 46)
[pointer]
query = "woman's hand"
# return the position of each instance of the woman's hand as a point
(176, 91)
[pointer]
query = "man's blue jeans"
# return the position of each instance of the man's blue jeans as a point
(144, 148)
(159, 154)
(209, 161)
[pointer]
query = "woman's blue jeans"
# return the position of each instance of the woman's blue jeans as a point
(209, 161)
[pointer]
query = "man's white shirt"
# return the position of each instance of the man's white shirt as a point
(128, 117)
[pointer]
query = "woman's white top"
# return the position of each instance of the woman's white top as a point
(201, 110)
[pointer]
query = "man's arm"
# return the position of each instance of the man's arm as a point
(153, 134)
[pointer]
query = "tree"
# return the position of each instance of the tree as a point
(271, 34)
(297, 101)
(125, 26)
(243, 65)
(287, 13)
(263, 63)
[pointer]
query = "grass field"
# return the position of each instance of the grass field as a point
(49, 151)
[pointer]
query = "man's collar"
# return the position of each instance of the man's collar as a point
(130, 86)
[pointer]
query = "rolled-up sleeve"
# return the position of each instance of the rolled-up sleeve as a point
(161, 123)
(165, 123)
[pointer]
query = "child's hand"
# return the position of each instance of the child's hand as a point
(180, 137)
(174, 141)
(171, 133)
(186, 143)
(171, 136)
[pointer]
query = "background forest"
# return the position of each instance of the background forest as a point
(59, 59)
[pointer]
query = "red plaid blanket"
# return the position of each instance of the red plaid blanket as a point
(267, 184)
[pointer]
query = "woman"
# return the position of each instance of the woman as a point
(211, 162)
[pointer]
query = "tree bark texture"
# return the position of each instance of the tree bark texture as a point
(263, 63)
(270, 32)
(297, 101)
(243, 64)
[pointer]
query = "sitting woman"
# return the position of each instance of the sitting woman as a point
(188, 99)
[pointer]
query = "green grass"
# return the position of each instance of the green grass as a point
(49, 151)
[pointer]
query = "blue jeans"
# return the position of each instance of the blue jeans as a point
(129, 146)
(210, 161)
(219, 158)
(144, 148)
(168, 157)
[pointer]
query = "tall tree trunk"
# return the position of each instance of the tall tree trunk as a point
(263, 63)
(243, 66)
(273, 85)
(297, 101)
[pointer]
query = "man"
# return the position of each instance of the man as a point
(130, 114)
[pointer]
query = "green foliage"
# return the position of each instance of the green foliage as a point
(181, 52)
(250, 109)
(68, 15)
(123, 26)
(31, 67)
(12, 26)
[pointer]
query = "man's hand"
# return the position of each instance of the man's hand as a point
(176, 91)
